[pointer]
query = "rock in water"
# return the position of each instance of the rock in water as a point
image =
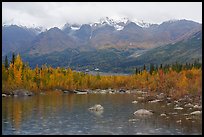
(3, 95)
(122, 91)
(103, 91)
(139, 92)
(81, 92)
(128, 91)
(189, 105)
(65, 91)
(163, 115)
(22, 92)
(179, 121)
(142, 112)
(178, 108)
(154, 101)
(133, 120)
(135, 102)
(161, 96)
(97, 107)
(196, 113)
(197, 107)
(140, 98)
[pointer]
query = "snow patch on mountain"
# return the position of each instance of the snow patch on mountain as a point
(171, 21)
(117, 27)
(75, 28)
(142, 24)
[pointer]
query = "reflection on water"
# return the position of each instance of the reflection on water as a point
(58, 113)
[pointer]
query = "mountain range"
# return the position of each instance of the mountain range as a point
(112, 46)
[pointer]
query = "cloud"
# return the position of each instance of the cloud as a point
(50, 14)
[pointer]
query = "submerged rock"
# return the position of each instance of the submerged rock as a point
(196, 113)
(96, 107)
(142, 112)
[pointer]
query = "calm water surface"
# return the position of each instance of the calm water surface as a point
(58, 113)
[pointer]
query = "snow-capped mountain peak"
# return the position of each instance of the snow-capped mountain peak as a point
(67, 25)
(117, 24)
(123, 20)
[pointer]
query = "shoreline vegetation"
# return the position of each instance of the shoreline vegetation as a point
(174, 81)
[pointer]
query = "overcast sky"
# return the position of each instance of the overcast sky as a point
(50, 14)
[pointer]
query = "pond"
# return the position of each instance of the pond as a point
(58, 113)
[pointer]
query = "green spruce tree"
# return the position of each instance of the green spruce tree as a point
(6, 63)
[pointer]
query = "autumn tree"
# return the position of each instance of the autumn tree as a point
(18, 69)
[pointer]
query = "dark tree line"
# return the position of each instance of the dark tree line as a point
(166, 68)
